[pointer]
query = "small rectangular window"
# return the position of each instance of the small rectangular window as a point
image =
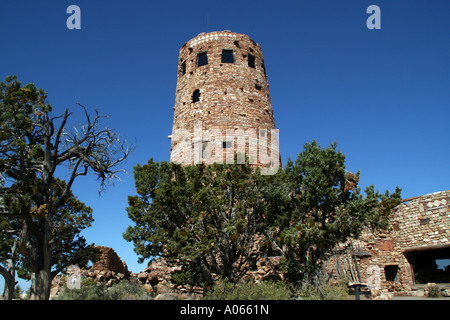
(202, 59)
(227, 56)
(183, 68)
(226, 144)
(196, 96)
(391, 273)
(251, 61)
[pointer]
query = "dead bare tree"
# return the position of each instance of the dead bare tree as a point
(32, 146)
(84, 149)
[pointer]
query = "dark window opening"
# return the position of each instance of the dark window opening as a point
(227, 56)
(258, 87)
(183, 68)
(226, 144)
(251, 61)
(196, 96)
(432, 265)
(391, 273)
(202, 59)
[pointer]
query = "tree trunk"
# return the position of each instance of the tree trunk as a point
(8, 275)
(41, 278)
(40, 285)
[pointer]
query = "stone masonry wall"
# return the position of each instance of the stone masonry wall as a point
(109, 261)
(424, 221)
(232, 99)
(108, 269)
(421, 224)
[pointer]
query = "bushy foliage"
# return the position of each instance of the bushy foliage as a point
(432, 290)
(221, 290)
(315, 203)
(206, 218)
(248, 290)
(325, 290)
(94, 290)
(127, 290)
(89, 290)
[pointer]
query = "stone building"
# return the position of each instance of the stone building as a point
(222, 103)
(413, 252)
(107, 268)
(109, 261)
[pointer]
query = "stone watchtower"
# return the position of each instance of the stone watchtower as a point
(222, 105)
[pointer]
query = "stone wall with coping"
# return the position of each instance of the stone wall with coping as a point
(418, 225)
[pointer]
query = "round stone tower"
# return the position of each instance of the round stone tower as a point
(222, 105)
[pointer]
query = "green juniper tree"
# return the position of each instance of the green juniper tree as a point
(203, 217)
(316, 203)
(207, 218)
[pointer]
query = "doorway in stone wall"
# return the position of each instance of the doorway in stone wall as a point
(430, 264)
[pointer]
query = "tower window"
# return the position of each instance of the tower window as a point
(227, 56)
(183, 68)
(251, 61)
(258, 87)
(196, 96)
(202, 59)
(226, 144)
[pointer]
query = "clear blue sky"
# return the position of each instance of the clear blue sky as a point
(383, 95)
